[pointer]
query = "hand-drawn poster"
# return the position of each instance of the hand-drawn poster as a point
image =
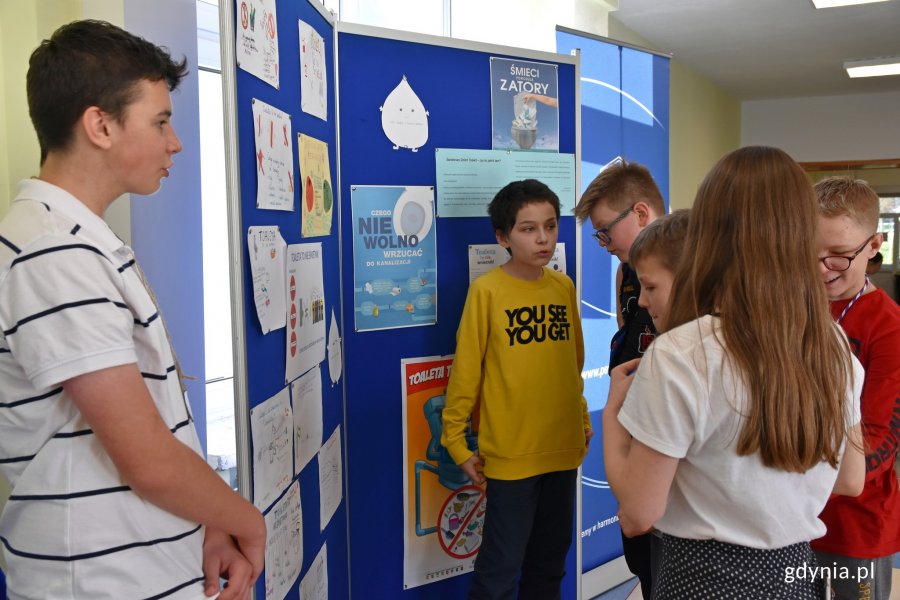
(284, 544)
(272, 431)
(313, 79)
(394, 261)
(524, 105)
(315, 583)
(274, 157)
(317, 197)
(256, 46)
(267, 251)
(331, 478)
(306, 400)
(306, 310)
(443, 516)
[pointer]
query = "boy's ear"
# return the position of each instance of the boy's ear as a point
(95, 125)
(644, 214)
(875, 245)
(502, 238)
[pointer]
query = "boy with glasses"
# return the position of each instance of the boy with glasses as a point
(864, 531)
(621, 201)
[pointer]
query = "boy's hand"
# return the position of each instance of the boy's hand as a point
(620, 380)
(253, 547)
(474, 468)
(588, 434)
(221, 558)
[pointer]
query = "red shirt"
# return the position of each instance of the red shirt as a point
(868, 526)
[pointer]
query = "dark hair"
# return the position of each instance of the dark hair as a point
(505, 206)
(90, 63)
(619, 185)
(878, 259)
(662, 239)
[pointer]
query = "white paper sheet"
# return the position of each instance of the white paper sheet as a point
(306, 400)
(267, 252)
(484, 257)
(335, 353)
(274, 157)
(404, 118)
(284, 544)
(313, 79)
(256, 44)
(272, 428)
(305, 301)
(331, 479)
(315, 583)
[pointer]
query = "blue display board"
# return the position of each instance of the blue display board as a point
(265, 354)
(624, 112)
(452, 80)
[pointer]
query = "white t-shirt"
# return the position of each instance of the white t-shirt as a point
(685, 402)
(71, 303)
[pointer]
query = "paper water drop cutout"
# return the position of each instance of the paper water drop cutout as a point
(404, 118)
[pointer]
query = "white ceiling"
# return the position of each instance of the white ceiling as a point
(758, 49)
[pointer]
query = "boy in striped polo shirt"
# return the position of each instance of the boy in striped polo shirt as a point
(111, 497)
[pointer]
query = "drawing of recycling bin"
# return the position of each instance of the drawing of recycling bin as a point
(448, 472)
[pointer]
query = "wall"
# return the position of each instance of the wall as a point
(826, 128)
(704, 122)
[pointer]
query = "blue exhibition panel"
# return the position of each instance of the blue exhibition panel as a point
(453, 81)
(265, 354)
(624, 113)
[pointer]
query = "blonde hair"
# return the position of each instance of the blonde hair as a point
(662, 239)
(841, 196)
(752, 238)
(618, 186)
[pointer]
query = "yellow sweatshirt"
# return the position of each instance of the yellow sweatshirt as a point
(520, 351)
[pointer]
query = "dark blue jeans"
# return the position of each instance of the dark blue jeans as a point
(527, 534)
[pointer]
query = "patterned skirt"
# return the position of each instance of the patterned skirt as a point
(709, 569)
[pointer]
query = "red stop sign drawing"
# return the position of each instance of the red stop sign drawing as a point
(293, 288)
(293, 316)
(293, 344)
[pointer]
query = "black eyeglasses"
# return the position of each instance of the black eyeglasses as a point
(602, 234)
(842, 263)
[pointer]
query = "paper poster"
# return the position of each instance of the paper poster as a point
(331, 479)
(394, 265)
(317, 196)
(443, 516)
(484, 257)
(267, 250)
(284, 544)
(272, 429)
(306, 400)
(315, 583)
(467, 180)
(306, 310)
(335, 358)
(404, 118)
(524, 105)
(256, 46)
(313, 79)
(274, 157)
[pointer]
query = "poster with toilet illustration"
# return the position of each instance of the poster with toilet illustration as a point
(394, 256)
(443, 513)
(524, 105)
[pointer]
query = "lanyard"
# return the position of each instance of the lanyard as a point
(852, 302)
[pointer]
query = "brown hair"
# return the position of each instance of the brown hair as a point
(844, 196)
(619, 185)
(752, 237)
(662, 239)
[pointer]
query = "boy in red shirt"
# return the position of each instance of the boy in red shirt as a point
(864, 531)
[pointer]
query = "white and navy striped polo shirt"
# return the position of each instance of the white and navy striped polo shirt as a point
(71, 303)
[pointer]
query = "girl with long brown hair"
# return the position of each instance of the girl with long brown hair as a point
(744, 417)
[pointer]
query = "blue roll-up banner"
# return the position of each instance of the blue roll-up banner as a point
(624, 113)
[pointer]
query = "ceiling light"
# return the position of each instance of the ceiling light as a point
(876, 67)
(833, 3)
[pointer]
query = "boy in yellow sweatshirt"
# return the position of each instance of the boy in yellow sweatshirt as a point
(519, 355)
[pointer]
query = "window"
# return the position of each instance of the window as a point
(889, 224)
